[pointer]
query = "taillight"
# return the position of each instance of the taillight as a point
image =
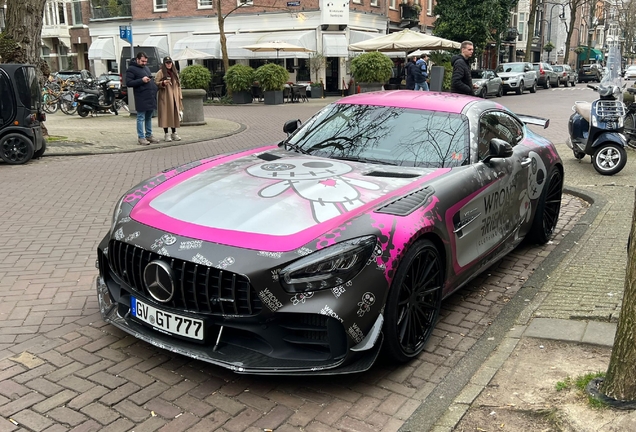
(42, 116)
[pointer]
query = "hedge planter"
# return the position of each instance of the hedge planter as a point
(370, 87)
(242, 97)
(316, 92)
(273, 97)
(193, 107)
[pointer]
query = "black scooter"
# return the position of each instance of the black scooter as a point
(96, 101)
(596, 130)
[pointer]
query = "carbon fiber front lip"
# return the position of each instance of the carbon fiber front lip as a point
(233, 358)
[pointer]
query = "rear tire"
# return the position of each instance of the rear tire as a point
(414, 301)
(16, 149)
(609, 159)
(548, 208)
(83, 111)
(38, 154)
(533, 89)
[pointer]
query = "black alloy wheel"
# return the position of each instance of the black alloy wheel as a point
(16, 149)
(548, 208)
(414, 302)
(500, 92)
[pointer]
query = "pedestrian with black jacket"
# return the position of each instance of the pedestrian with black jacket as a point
(138, 77)
(410, 84)
(461, 82)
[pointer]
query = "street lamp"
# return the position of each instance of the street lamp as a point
(561, 17)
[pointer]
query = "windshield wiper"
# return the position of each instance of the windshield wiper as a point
(363, 160)
(287, 145)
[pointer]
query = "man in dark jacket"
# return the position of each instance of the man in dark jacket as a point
(461, 81)
(410, 84)
(138, 77)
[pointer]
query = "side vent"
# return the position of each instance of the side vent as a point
(409, 203)
(268, 157)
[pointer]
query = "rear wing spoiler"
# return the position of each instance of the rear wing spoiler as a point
(533, 120)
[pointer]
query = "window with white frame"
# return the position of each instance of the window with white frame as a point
(521, 26)
(244, 3)
(77, 12)
(357, 1)
(392, 4)
(161, 5)
(429, 7)
(204, 4)
(374, 2)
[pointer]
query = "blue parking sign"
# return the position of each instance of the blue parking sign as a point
(125, 32)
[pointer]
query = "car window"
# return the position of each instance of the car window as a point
(558, 68)
(7, 103)
(477, 74)
(497, 124)
(391, 135)
(510, 67)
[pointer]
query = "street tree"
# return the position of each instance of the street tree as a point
(20, 40)
(479, 21)
(626, 17)
(620, 380)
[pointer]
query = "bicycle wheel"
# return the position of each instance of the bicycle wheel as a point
(630, 129)
(51, 105)
(68, 104)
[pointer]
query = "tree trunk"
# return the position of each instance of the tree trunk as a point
(531, 15)
(22, 36)
(223, 39)
(620, 381)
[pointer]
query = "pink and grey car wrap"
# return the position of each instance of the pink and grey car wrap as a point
(248, 215)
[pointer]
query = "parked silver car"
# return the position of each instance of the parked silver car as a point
(546, 76)
(517, 77)
(486, 83)
(566, 74)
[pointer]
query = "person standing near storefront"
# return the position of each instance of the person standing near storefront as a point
(408, 72)
(461, 81)
(138, 77)
(170, 106)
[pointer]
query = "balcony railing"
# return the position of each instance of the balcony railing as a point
(104, 9)
(410, 12)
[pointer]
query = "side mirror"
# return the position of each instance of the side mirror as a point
(498, 149)
(290, 126)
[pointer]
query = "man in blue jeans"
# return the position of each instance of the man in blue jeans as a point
(138, 77)
(422, 68)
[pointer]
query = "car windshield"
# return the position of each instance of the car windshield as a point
(510, 67)
(386, 135)
(477, 74)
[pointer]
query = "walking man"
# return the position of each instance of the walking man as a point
(461, 81)
(422, 69)
(138, 77)
(408, 72)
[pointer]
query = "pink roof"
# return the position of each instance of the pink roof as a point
(436, 101)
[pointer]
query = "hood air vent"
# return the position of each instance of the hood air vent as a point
(408, 204)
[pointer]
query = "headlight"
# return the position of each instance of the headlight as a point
(329, 267)
(116, 213)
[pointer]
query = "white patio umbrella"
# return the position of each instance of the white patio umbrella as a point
(191, 54)
(405, 40)
(276, 46)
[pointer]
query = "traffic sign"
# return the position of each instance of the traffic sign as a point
(293, 3)
(125, 33)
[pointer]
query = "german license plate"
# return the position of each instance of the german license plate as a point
(167, 322)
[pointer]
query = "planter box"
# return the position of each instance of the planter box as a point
(193, 107)
(316, 92)
(273, 97)
(369, 87)
(242, 97)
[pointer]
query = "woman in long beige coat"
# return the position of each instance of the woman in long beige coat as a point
(170, 100)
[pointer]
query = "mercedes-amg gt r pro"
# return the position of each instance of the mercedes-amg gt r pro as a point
(309, 256)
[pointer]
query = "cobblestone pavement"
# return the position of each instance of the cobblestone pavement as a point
(62, 368)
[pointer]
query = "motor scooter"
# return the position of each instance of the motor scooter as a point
(596, 127)
(96, 101)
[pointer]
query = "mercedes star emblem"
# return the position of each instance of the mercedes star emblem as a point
(159, 280)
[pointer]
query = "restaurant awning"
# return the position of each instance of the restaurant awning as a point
(160, 41)
(359, 36)
(208, 43)
(305, 39)
(102, 49)
(595, 54)
(334, 45)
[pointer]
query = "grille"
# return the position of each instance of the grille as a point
(610, 110)
(198, 288)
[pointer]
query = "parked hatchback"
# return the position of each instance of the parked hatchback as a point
(630, 72)
(566, 74)
(589, 72)
(546, 76)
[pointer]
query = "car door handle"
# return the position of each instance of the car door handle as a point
(525, 163)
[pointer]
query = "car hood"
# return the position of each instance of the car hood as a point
(269, 194)
(509, 74)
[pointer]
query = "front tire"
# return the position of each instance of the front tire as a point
(520, 88)
(414, 302)
(609, 159)
(16, 149)
(500, 92)
(83, 111)
(548, 208)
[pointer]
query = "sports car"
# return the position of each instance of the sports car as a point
(313, 255)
